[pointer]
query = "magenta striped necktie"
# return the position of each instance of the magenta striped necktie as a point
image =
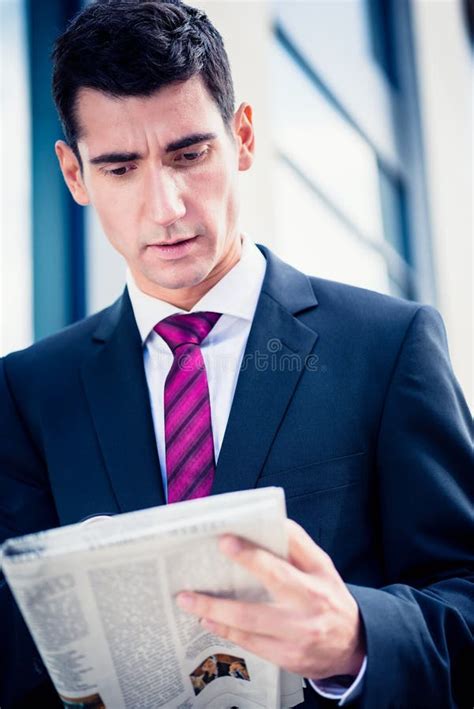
(190, 463)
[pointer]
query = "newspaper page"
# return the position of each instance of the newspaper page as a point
(99, 601)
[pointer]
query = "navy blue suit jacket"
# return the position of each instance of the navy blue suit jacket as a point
(346, 399)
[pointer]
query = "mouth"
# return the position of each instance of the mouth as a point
(173, 243)
(174, 249)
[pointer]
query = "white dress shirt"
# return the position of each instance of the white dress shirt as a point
(235, 296)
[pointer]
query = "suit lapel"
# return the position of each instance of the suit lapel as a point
(115, 385)
(274, 361)
(275, 356)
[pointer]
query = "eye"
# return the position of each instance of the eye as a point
(190, 157)
(120, 171)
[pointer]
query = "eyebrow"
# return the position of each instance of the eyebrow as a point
(185, 142)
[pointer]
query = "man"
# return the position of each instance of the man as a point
(343, 397)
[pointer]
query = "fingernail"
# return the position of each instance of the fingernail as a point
(185, 600)
(230, 545)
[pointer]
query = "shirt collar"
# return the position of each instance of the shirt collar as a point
(236, 294)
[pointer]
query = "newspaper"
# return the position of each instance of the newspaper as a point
(99, 600)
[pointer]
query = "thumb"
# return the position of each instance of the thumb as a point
(304, 553)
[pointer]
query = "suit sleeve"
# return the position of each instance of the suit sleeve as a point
(26, 505)
(419, 627)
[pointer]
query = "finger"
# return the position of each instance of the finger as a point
(259, 618)
(303, 551)
(280, 578)
(274, 650)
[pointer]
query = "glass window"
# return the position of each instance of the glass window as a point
(334, 36)
(310, 131)
(314, 240)
(339, 165)
(392, 197)
(105, 268)
(16, 314)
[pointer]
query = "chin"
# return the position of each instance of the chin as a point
(180, 281)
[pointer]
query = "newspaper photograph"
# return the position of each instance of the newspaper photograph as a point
(99, 601)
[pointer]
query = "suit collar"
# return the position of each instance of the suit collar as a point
(275, 359)
(236, 294)
(117, 392)
(111, 317)
(287, 286)
(116, 387)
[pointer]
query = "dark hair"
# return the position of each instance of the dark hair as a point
(134, 48)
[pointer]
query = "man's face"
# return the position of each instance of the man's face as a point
(210, 666)
(161, 173)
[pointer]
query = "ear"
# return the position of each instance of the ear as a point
(243, 128)
(71, 170)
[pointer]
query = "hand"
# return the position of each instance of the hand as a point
(312, 627)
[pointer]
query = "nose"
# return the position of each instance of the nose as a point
(164, 201)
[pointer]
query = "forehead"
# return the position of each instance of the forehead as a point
(133, 122)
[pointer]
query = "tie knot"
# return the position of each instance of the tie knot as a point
(190, 329)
